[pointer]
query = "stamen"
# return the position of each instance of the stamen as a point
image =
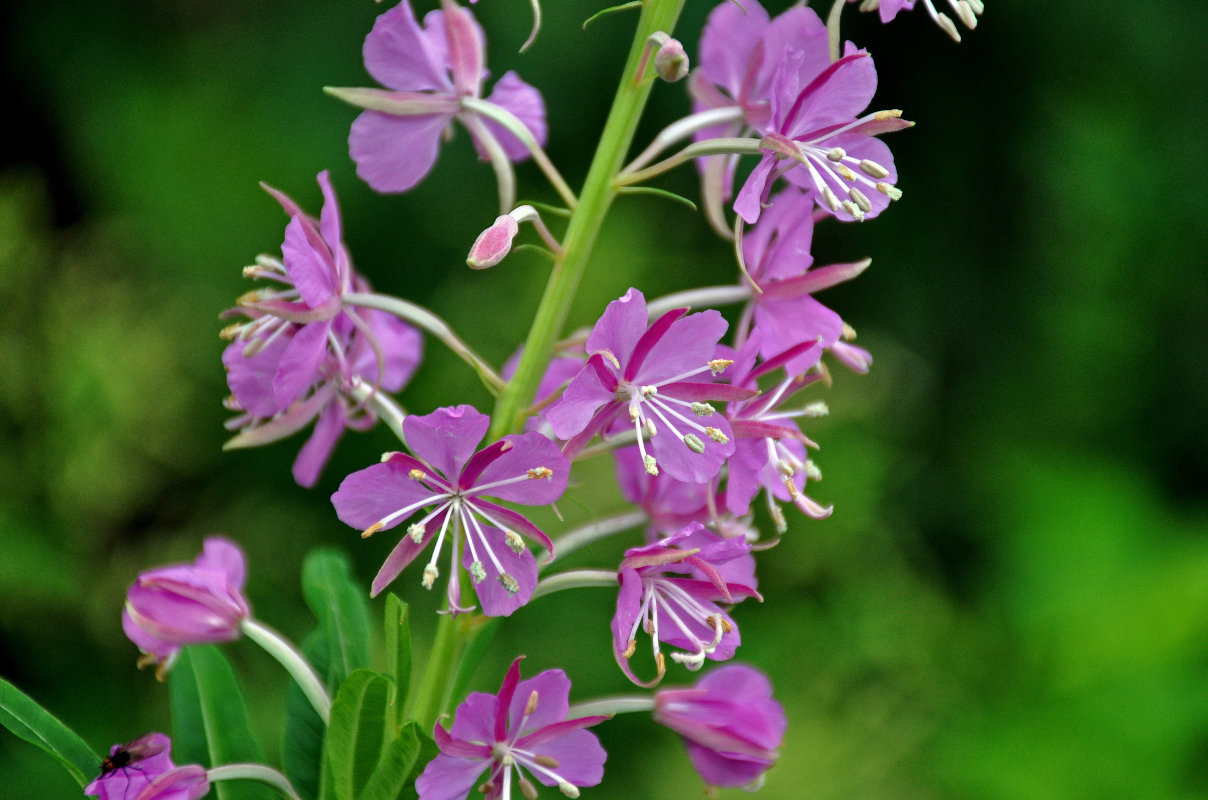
(872, 169)
(431, 573)
(694, 443)
(703, 409)
(509, 583)
(836, 154)
(892, 192)
(716, 435)
(630, 649)
(416, 532)
(651, 465)
(546, 761)
(514, 542)
(478, 573)
(853, 209)
(860, 199)
(651, 429)
(811, 470)
(648, 391)
(849, 333)
(527, 789)
(569, 789)
(531, 706)
(417, 474)
(536, 473)
(718, 365)
(832, 202)
(845, 173)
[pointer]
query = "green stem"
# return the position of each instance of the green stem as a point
(254, 772)
(294, 662)
(594, 201)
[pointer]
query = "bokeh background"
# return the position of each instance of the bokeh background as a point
(1011, 600)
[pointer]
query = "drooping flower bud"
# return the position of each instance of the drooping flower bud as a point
(671, 62)
(493, 244)
(170, 607)
(730, 722)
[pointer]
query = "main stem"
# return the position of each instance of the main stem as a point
(594, 201)
(445, 661)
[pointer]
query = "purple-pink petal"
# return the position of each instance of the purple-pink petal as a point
(553, 696)
(449, 777)
(447, 437)
(687, 345)
(299, 367)
(329, 427)
(308, 263)
(620, 326)
(495, 598)
(394, 153)
(474, 719)
(250, 378)
(526, 104)
(400, 54)
(529, 452)
(583, 397)
(403, 554)
(579, 756)
(369, 495)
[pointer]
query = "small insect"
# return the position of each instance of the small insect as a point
(130, 753)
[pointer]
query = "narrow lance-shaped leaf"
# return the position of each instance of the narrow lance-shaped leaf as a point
(302, 749)
(403, 760)
(356, 736)
(342, 610)
(217, 708)
(29, 721)
(398, 656)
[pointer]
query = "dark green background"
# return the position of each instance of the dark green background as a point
(1011, 600)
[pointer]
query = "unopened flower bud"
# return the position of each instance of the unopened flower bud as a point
(493, 244)
(671, 62)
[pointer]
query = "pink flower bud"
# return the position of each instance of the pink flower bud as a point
(671, 62)
(493, 244)
(170, 607)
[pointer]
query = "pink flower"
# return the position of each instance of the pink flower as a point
(430, 70)
(522, 729)
(170, 607)
(671, 589)
(641, 374)
(815, 140)
(142, 770)
(446, 475)
(731, 724)
(301, 351)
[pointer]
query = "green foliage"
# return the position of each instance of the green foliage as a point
(206, 699)
(398, 655)
(340, 606)
(28, 720)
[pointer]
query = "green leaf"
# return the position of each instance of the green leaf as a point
(214, 704)
(28, 720)
(356, 736)
(302, 746)
(611, 10)
(397, 769)
(398, 655)
(341, 607)
(657, 192)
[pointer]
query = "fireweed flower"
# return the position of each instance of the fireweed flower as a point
(778, 260)
(730, 722)
(671, 589)
(170, 607)
(644, 371)
(522, 729)
(447, 476)
(825, 148)
(739, 52)
(143, 770)
(431, 72)
(769, 452)
(300, 352)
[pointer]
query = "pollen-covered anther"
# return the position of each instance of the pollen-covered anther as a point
(845, 172)
(778, 519)
(811, 470)
(478, 573)
(486, 788)
(230, 331)
(791, 488)
(569, 789)
(859, 198)
(726, 625)
(887, 114)
(716, 435)
(416, 532)
(694, 443)
(634, 414)
(785, 468)
(872, 169)
(703, 409)
(547, 761)
(818, 408)
(514, 541)
(660, 661)
(630, 649)
(836, 154)
(853, 209)
(510, 584)
(892, 192)
(536, 473)
(417, 474)
(651, 429)
(648, 392)
(849, 333)
(372, 529)
(527, 789)
(829, 198)
(652, 467)
(431, 573)
(719, 365)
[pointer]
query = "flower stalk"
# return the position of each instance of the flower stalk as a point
(295, 664)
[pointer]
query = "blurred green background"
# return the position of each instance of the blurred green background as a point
(1011, 600)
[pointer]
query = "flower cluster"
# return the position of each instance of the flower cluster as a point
(702, 414)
